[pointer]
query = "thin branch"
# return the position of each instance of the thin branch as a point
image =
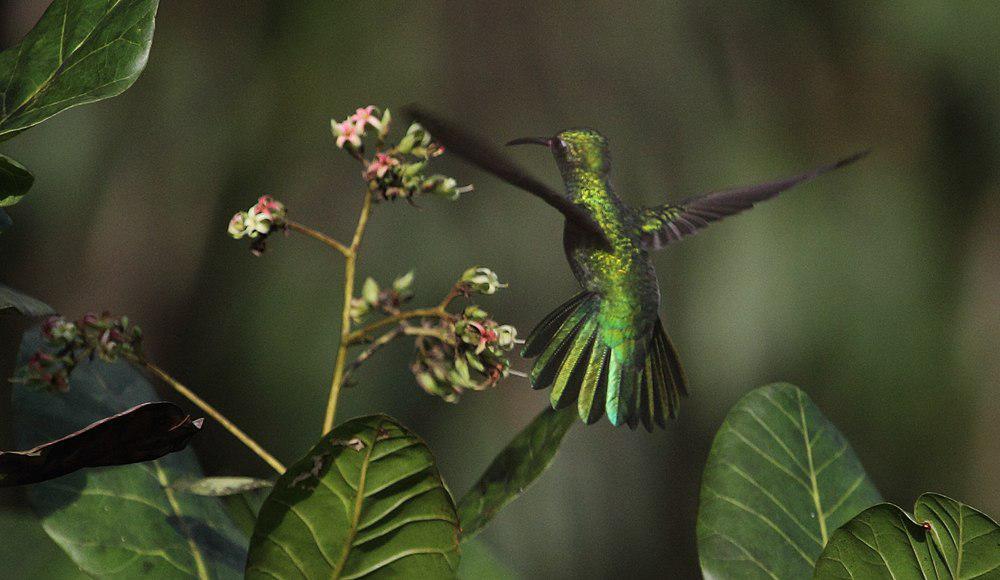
(374, 347)
(320, 236)
(215, 414)
(350, 260)
(366, 331)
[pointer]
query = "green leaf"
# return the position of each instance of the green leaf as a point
(11, 299)
(127, 521)
(142, 433)
(15, 181)
(80, 51)
(479, 561)
(779, 480)
(945, 539)
(523, 461)
(367, 500)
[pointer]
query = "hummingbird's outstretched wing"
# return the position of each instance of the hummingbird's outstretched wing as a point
(667, 223)
(484, 156)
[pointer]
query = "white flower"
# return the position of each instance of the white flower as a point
(256, 223)
(482, 280)
(237, 225)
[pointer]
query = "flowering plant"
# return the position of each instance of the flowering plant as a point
(458, 346)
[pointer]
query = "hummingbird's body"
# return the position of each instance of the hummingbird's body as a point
(605, 348)
(607, 335)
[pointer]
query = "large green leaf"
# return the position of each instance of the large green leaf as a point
(943, 539)
(15, 181)
(80, 51)
(779, 480)
(127, 521)
(524, 459)
(367, 500)
(11, 299)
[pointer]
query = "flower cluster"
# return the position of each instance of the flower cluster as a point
(468, 352)
(258, 222)
(67, 343)
(394, 171)
(385, 300)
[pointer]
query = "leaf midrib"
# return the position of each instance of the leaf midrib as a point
(358, 505)
(199, 560)
(820, 517)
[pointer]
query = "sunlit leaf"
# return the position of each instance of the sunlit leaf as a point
(11, 299)
(242, 496)
(223, 486)
(943, 539)
(15, 181)
(125, 521)
(79, 52)
(367, 500)
(142, 433)
(779, 480)
(523, 461)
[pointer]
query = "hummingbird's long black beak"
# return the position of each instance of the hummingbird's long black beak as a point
(531, 141)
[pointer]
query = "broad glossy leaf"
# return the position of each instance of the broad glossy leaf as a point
(523, 461)
(79, 52)
(125, 521)
(368, 501)
(15, 181)
(779, 480)
(944, 539)
(11, 299)
(142, 433)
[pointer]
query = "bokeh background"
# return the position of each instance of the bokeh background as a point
(875, 289)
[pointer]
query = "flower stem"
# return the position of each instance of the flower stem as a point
(360, 334)
(439, 311)
(375, 346)
(320, 236)
(215, 414)
(350, 261)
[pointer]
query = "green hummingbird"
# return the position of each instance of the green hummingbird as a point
(605, 348)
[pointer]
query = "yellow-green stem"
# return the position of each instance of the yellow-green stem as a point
(350, 261)
(319, 236)
(217, 416)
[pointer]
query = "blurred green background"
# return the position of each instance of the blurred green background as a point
(875, 289)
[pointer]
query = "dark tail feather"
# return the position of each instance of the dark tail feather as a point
(664, 378)
(542, 335)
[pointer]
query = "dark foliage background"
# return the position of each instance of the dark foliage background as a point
(874, 289)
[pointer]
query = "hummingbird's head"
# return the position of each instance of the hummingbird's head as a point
(576, 150)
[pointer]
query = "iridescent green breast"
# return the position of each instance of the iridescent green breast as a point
(623, 273)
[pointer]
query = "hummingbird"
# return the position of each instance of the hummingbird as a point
(606, 348)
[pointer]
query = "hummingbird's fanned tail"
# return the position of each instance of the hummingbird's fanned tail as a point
(632, 379)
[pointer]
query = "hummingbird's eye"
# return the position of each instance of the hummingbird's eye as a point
(559, 145)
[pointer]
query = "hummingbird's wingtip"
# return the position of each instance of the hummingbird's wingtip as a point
(851, 159)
